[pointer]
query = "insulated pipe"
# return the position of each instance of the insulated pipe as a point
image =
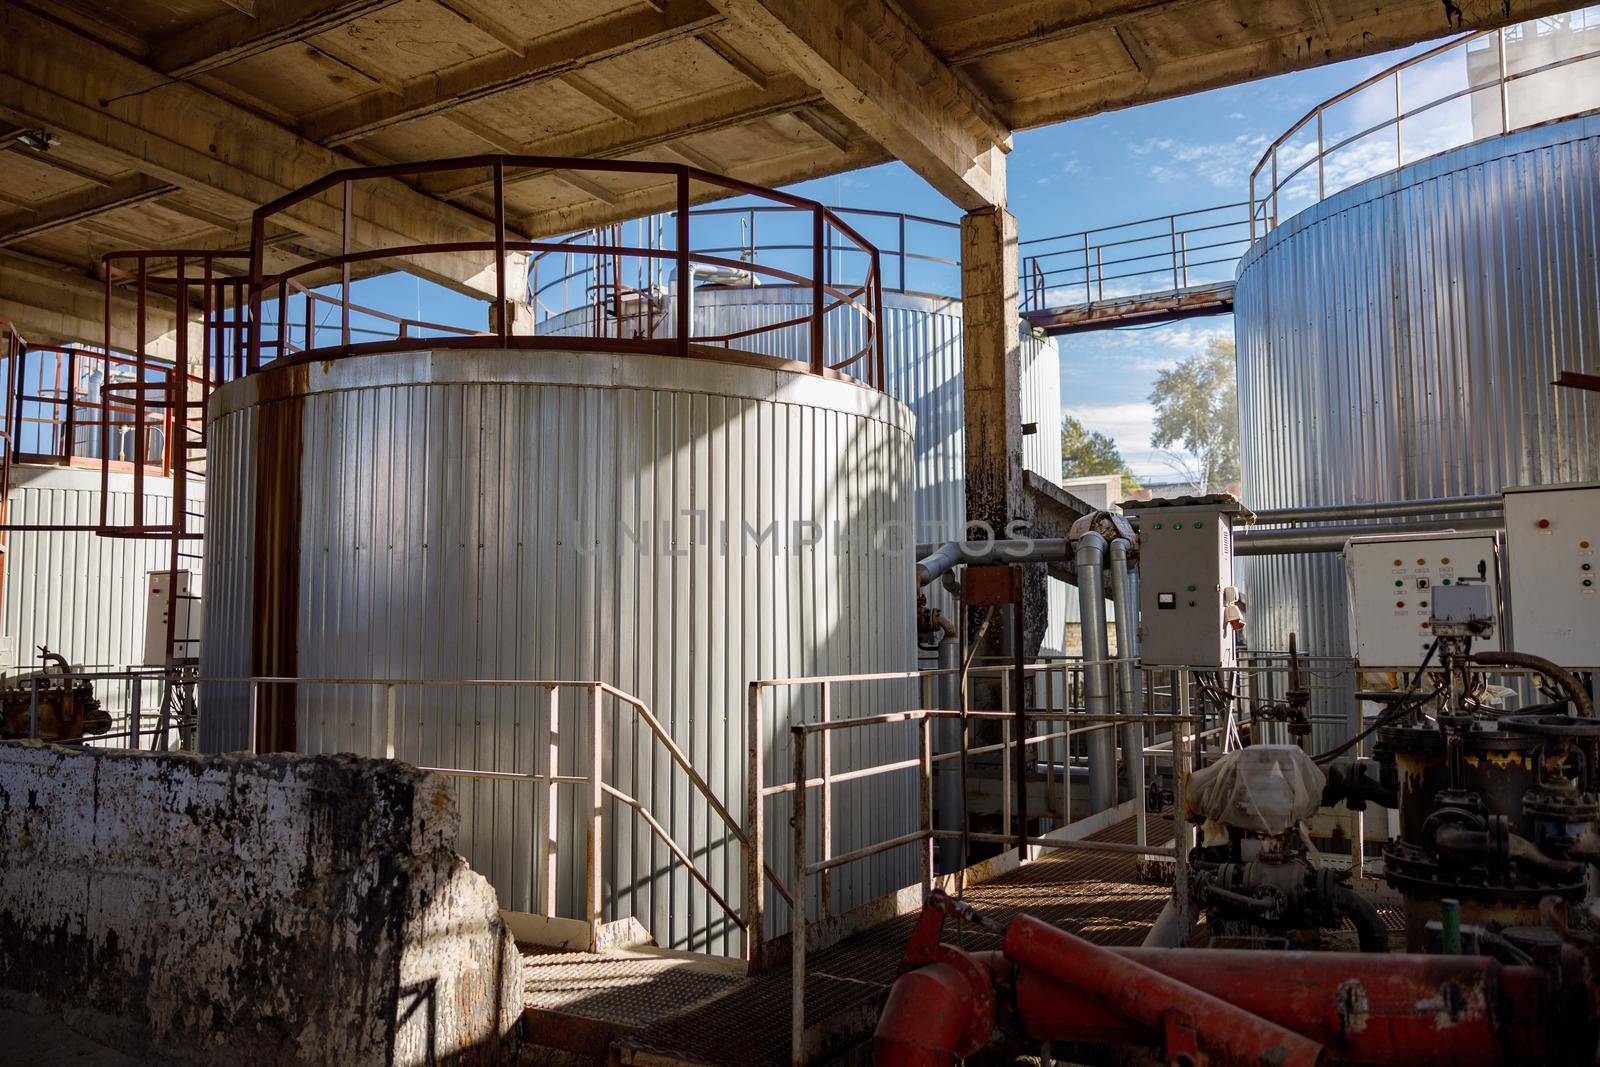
(935, 560)
(1392, 509)
(947, 779)
(1332, 538)
(1221, 1029)
(929, 1014)
(1125, 600)
(1090, 554)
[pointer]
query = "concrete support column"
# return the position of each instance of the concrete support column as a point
(992, 392)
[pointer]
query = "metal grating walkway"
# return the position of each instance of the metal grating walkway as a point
(1095, 895)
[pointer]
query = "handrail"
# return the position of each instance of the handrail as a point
(1492, 104)
(1171, 252)
(862, 295)
(592, 776)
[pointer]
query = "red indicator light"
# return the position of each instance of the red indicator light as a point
(1399, 603)
(1544, 524)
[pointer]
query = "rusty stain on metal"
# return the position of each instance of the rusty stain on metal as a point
(1354, 1007)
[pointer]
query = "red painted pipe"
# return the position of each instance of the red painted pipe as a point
(1227, 1033)
(927, 1017)
(1377, 1011)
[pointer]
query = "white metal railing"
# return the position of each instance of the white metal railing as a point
(1477, 86)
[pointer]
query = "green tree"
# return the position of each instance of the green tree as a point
(1085, 452)
(1197, 416)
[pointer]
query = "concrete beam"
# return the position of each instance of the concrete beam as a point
(233, 160)
(238, 35)
(549, 57)
(77, 206)
(869, 62)
(59, 304)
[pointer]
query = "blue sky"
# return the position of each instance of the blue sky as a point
(1177, 155)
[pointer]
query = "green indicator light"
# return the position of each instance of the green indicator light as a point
(1191, 589)
(1398, 583)
(1158, 526)
(1447, 581)
(1198, 525)
(1177, 526)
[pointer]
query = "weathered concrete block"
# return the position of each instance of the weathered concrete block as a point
(250, 909)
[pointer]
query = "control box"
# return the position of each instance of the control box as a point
(185, 604)
(1553, 573)
(1391, 580)
(1185, 564)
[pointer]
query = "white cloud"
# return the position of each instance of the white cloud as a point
(1224, 164)
(1130, 426)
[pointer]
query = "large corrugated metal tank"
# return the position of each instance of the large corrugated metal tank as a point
(1398, 341)
(675, 527)
(81, 594)
(922, 363)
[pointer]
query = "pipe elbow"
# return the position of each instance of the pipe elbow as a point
(1372, 933)
(929, 1020)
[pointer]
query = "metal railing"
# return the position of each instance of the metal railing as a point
(774, 233)
(588, 778)
(1048, 733)
(1477, 86)
(496, 176)
(1155, 260)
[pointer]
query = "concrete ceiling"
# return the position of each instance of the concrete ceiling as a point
(173, 119)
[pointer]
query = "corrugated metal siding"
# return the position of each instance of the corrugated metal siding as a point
(922, 363)
(1398, 341)
(515, 515)
(81, 594)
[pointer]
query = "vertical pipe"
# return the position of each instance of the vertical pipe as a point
(503, 328)
(1019, 708)
(925, 802)
(825, 812)
(344, 276)
(1089, 555)
(258, 231)
(947, 802)
(595, 874)
(1125, 601)
(685, 275)
(71, 395)
(755, 825)
(552, 800)
(255, 716)
(797, 925)
(138, 396)
(818, 264)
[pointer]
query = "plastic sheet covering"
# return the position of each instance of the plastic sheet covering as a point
(1263, 789)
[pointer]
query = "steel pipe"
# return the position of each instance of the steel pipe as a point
(1225, 1031)
(1125, 602)
(1089, 554)
(1333, 538)
(1391, 509)
(934, 561)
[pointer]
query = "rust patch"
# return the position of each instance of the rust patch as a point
(275, 578)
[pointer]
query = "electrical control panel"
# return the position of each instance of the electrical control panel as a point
(1185, 564)
(1553, 572)
(1392, 578)
(185, 606)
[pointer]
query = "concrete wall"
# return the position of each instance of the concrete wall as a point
(249, 910)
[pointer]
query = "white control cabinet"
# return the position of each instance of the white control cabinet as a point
(1391, 580)
(1553, 573)
(1185, 563)
(186, 628)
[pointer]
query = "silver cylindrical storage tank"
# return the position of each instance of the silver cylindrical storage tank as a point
(675, 527)
(923, 369)
(1398, 340)
(81, 594)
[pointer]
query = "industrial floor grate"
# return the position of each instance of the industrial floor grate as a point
(1096, 895)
